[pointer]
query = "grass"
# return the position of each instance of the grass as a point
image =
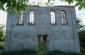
(27, 52)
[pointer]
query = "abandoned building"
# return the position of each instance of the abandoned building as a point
(55, 26)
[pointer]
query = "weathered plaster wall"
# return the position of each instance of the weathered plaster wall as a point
(60, 37)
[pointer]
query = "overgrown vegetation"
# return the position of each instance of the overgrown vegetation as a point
(1, 36)
(27, 52)
(81, 34)
(82, 39)
(1, 45)
(42, 47)
(2, 32)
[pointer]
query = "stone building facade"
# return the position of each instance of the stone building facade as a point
(58, 25)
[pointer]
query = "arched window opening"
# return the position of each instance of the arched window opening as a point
(63, 14)
(32, 17)
(52, 17)
(20, 19)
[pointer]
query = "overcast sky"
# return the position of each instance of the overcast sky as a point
(79, 13)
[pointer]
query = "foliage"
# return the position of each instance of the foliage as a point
(42, 47)
(37, 53)
(81, 34)
(80, 3)
(1, 45)
(80, 25)
(1, 31)
(20, 6)
(82, 39)
(14, 6)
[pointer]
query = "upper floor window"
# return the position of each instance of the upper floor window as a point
(20, 19)
(63, 14)
(31, 17)
(52, 17)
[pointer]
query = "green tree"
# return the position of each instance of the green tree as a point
(2, 31)
(80, 25)
(82, 39)
(20, 6)
(80, 3)
(81, 34)
(14, 6)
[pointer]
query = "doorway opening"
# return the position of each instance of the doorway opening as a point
(42, 43)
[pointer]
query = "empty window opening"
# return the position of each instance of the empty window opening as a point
(52, 17)
(32, 17)
(42, 39)
(20, 19)
(63, 14)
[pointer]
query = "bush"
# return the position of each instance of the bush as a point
(2, 32)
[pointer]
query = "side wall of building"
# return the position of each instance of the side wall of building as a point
(59, 37)
(8, 34)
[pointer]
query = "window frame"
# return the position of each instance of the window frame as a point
(64, 18)
(52, 17)
(31, 17)
(20, 20)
